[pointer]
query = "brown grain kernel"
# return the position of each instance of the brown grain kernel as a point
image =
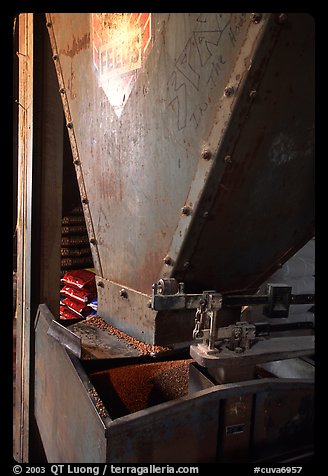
(131, 388)
(144, 349)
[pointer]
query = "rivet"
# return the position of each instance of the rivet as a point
(186, 210)
(124, 293)
(256, 17)
(168, 260)
(69, 125)
(282, 18)
(149, 304)
(252, 94)
(62, 90)
(100, 284)
(48, 24)
(55, 57)
(85, 200)
(205, 214)
(228, 92)
(228, 159)
(76, 162)
(93, 241)
(206, 154)
(186, 264)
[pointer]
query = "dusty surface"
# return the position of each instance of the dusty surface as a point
(144, 349)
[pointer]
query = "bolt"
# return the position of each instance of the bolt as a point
(76, 162)
(186, 210)
(282, 18)
(124, 293)
(93, 241)
(55, 57)
(206, 154)
(48, 24)
(228, 92)
(186, 264)
(256, 17)
(149, 303)
(168, 260)
(252, 94)
(62, 90)
(228, 159)
(69, 125)
(101, 284)
(205, 214)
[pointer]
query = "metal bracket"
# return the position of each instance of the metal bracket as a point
(169, 295)
(163, 300)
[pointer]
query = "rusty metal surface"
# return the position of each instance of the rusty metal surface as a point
(235, 429)
(98, 344)
(265, 350)
(137, 168)
(283, 420)
(69, 425)
(261, 206)
(76, 426)
(214, 185)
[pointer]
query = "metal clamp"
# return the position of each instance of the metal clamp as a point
(205, 318)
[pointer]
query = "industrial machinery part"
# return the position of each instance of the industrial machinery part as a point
(214, 187)
(189, 207)
(262, 419)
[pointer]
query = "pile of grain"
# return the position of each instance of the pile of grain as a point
(144, 349)
(131, 388)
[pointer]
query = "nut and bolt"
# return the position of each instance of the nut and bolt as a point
(206, 154)
(62, 90)
(168, 260)
(256, 17)
(55, 57)
(282, 18)
(252, 94)
(69, 125)
(228, 92)
(186, 210)
(228, 159)
(124, 293)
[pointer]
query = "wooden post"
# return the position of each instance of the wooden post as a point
(40, 155)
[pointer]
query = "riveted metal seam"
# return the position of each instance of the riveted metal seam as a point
(74, 147)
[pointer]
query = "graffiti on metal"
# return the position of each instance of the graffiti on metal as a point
(203, 47)
(121, 43)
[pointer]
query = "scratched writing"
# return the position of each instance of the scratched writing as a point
(199, 65)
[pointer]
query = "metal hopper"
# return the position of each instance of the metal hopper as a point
(193, 142)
